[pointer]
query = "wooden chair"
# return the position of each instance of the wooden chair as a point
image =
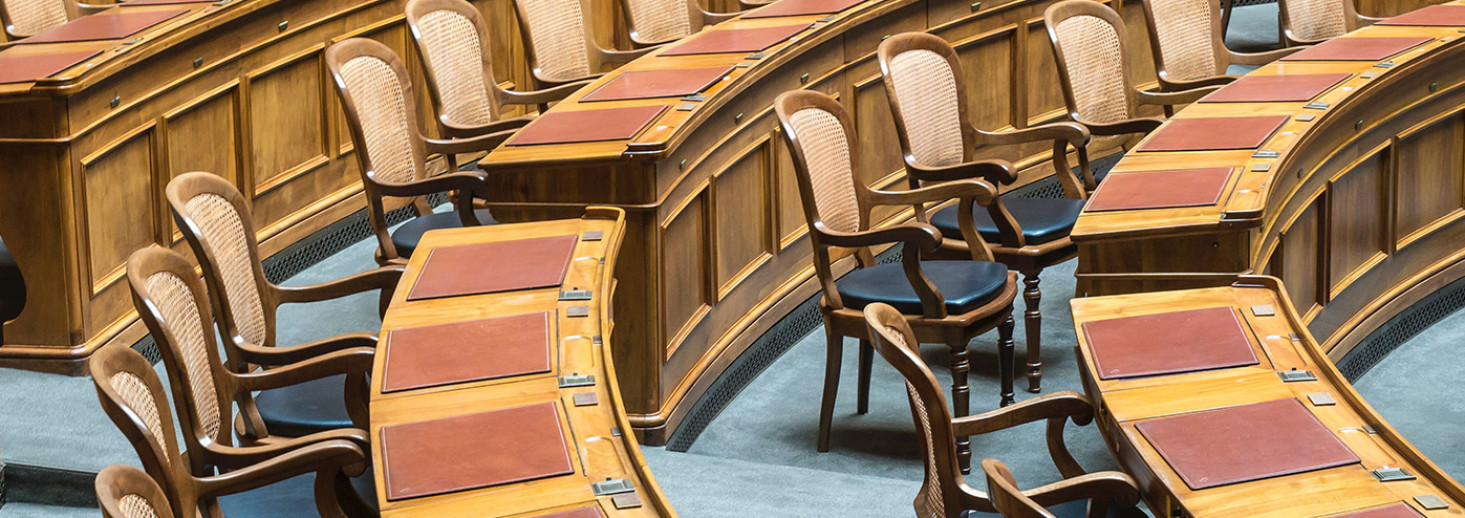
(132, 396)
(376, 94)
(1097, 490)
(1089, 46)
(26, 18)
(559, 42)
(657, 22)
(1187, 38)
(1309, 22)
(945, 492)
(948, 302)
(215, 219)
(926, 89)
(12, 289)
(453, 41)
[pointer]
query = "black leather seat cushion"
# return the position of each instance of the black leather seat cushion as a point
(12, 286)
(405, 238)
(304, 409)
(1073, 509)
(1042, 219)
(966, 285)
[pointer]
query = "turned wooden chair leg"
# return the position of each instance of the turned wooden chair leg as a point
(1033, 320)
(1005, 358)
(961, 399)
(867, 357)
(831, 385)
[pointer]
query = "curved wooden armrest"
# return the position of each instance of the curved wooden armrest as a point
(1069, 132)
(1293, 41)
(458, 131)
(356, 360)
(472, 181)
(973, 188)
(1261, 58)
(1365, 21)
(321, 457)
(272, 356)
(995, 171)
(1142, 125)
(542, 96)
(1103, 485)
(239, 457)
(384, 278)
(915, 235)
(1066, 404)
(1174, 98)
(1180, 85)
(86, 9)
(714, 18)
(476, 143)
(621, 57)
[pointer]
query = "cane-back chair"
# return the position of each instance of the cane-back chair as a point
(560, 44)
(655, 22)
(1097, 490)
(454, 42)
(1089, 45)
(949, 302)
(944, 492)
(216, 221)
(132, 396)
(1188, 43)
(376, 94)
(926, 89)
(1309, 22)
(25, 18)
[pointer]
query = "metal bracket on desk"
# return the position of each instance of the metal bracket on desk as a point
(1297, 375)
(577, 380)
(612, 486)
(1388, 474)
(575, 295)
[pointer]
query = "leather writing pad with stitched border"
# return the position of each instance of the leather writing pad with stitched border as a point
(110, 25)
(1214, 134)
(1278, 88)
(1245, 443)
(586, 126)
(647, 84)
(1169, 343)
(474, 451)
(20, 69)
(522, 264)
(1160, 189)
(1434, 16)
(583, 512)
(802, 8)
(460, 352)
(1356, 49)
(720, 41)
(1398, 510)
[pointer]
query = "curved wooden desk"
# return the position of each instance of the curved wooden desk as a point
(600, 445)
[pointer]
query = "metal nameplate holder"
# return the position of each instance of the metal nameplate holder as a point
(612, 486)
(575, 295)
(1388, 474)
(577, 380)
(1297, 375)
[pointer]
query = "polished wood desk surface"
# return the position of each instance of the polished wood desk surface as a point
(1123, 403)
(602, 447)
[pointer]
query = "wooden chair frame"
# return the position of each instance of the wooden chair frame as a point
(73, 8)
(466, 184)
(1012, 249)
(498, 97)
(1100, 489)
(119, 481)
(934, 324)
(242, 351)
(894, 338)
(1351, 18)
(331, 461)
(699, 19)
(1224, 57)
(601, 60)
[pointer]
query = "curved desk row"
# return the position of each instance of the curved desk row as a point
(577, 397)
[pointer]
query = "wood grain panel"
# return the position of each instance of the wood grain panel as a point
(1041, 90)
(987, 63)
(685, 274)
(742, 216)
(1431, 177)
(789, 207)
(875, 129)
(1357, 219)
(286, 142)
(119, 201)
(1297, 261)
(215, 115)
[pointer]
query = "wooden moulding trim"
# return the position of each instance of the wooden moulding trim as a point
(1392, 302)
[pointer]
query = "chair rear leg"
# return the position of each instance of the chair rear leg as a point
(867, 357)
(1005, 358)
(1033, 320)
(961, 399)
(831, 385)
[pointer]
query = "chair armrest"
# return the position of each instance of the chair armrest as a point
(542, 96)
(483, 142)
(239, 457)
(1142, 125)
(356, 360)
(714, 18)
(1066, 404)
(472, 181)
(273, 356)
(919, 236)
(313, 458)
(1365, 21)
(1179, 85)
(88, 9)
(994, 171)
(1103, 485)
(621, 57)
(973, 188)
(458, 131)
(384, 278)
(1261, 58)
(1069, 132)
(1174, 98)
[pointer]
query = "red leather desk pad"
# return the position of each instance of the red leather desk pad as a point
(583, 512)
(1278, 88)
(1214, 134)
(1169, 343)
(1433, 16)
(1160, 189)
(586, 126)
(802, 8)
(20, 69)
(521, 264)
(1244, 443)
(109, 25)
(720, 41)
(647, 84)
(473, 451)
(460, 352)
(1399, 510)
(1356, 49)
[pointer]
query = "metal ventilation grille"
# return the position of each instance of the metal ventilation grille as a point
(1401, 328)
(149, 349)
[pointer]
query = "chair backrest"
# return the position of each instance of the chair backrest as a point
(943, 493)
(556, 39)
(1089, 44)
(219, 227)
(1006, 497)
(376, 93)
(132, 396)
(1185, 37)
(128, 492)
(453, 41)
(25, 18)
(825, 152)
(660, 20)
(1313, 20)
(924, 84)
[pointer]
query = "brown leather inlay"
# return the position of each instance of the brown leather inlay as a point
(521, 264)
(1244, 443)
(583, 512)
(802, 8)
(474, 451)
(1356, 49)
(420, 357)
(647, 84)
(586, 126)
(1214, 134)
(20, 69)
(1434, 16)
(719, 41)
(1278, 88)
(1160, 189)
(1169, 343)
(1399, 510)
(110, 25)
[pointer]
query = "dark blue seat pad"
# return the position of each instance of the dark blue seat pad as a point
(310, 407)
(405, 238)
(1042, 219)
(292, 497)
(966, 285)
(1073, 509)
